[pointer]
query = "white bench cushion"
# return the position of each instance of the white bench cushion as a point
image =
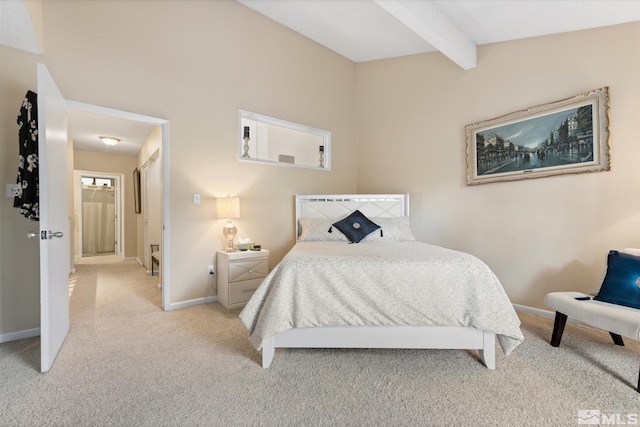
(614, 318)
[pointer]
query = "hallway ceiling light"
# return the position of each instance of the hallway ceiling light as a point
(109, 140)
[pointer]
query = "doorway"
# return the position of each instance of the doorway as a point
(98, 214)
(163, 229)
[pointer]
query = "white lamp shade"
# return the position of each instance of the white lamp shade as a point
(228, 207)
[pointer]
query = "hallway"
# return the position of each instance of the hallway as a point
(108, 285)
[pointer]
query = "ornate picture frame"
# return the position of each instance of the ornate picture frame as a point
(562, 137)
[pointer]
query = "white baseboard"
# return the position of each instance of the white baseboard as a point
(20, 335)
(547, 313)
(191, 303)
(533, 310)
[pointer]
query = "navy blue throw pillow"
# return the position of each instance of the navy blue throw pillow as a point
(621, 284)
(356, 226)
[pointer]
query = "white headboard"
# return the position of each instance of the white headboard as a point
(337, 206)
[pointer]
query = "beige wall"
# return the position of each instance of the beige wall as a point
(538, 235)
(19, 257)
(92, 161)
(195, 64)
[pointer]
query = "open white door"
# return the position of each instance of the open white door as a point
(54, 218)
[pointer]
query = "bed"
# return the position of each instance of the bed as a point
(386, 291)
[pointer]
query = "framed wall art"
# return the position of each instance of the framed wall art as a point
(562, 137)
(136, 190)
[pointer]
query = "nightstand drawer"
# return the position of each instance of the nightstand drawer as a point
(248, 270)
(239, 274)
(242, 291)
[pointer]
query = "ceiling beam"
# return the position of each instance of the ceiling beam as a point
(433, 26)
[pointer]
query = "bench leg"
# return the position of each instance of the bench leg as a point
(617, 339)
(558, 328)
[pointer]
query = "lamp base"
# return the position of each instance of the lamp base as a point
(230, 231)
(230, 245)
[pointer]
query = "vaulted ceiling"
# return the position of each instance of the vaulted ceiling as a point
(365, 30)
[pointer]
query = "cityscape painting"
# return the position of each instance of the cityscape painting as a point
(569, 136)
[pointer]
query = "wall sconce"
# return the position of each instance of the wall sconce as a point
(109, 140)
(229, 207)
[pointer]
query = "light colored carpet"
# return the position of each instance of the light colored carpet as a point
(126, 362)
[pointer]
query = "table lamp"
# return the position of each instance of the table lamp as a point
(229, 207)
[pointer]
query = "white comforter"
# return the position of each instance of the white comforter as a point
(380, 283)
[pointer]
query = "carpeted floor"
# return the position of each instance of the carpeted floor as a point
(126, 362)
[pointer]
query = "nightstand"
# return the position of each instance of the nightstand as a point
(239, 275)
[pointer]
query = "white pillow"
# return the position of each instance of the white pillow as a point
(393, 230)
(317, 229)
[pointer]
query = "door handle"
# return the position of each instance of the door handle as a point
(32, 235)
(53, 234)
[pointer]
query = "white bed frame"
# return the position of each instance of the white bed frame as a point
(415, 337)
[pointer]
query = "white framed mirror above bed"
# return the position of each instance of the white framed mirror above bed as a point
(275, 141)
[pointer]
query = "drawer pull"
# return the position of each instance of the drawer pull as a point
(249, 290)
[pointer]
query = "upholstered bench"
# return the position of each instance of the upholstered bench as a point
(618, 320)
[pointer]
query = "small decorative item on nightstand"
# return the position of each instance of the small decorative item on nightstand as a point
(239, 275)
(244, 246)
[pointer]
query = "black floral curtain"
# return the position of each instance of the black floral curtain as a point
(26, 192)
